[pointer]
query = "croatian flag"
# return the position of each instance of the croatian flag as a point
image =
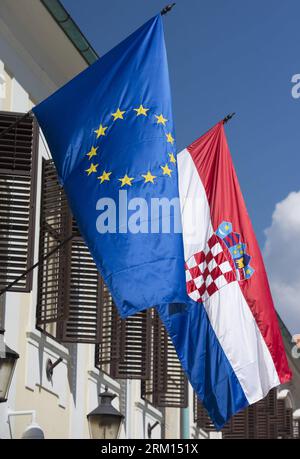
(227, 338)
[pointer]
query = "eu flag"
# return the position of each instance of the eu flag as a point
(111, 134)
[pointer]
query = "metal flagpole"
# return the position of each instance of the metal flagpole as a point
(40, 260)
(163, 12)
(228, 117)
(167, 8)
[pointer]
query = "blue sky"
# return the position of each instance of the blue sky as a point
(227, 56)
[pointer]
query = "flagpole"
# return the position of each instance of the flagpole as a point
(163, 12)
(167, 9)
(228, 117)
(40, 260)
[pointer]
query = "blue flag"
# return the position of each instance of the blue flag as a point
(111, 134)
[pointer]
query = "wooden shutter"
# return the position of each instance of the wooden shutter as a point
(53, 277)
(134, 361)
(267, 419)
(289, 423)
(82, 322)
(168, 385)
(262, 420)
(201, 417)
(123, 351)
(252, 421)
(272, 413)
(281, 419)
(69, 286)
(237, 427)
(18, 168)
(155, 385)
(258, 421)
(106, 351)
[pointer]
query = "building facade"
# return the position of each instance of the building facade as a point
(62, 310)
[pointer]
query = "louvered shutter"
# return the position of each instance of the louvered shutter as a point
(272, 412)
(281, 420)
(252, 421)
(123, 351)
(106, 351)
(267, 419)
(201, 417)
(82, 322)
(69, 287)
(168, 385)
(134, 361)
(18, 168)
(272, 402)
(237, 427)
(53, 277)
(155, 385)
(284, 420)
(262, 419)
(289, 423)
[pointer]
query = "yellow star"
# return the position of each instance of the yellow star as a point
(166, 170)
(92, 153)
(92, 168)
(126, 180)
(170, 138)
(105, 177)
(172, 158)
(100, 131)
(149, 177)
(161, 119)
(141, 111)
(118, 115)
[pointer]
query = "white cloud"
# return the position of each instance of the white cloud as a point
(282, 258)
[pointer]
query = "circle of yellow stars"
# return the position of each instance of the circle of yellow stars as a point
(148, 177)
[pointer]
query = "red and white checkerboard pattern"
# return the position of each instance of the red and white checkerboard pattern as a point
(208, 271)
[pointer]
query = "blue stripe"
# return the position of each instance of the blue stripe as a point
(204, 360)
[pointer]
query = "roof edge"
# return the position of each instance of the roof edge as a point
(71, 30)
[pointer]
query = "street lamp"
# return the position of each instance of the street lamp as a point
(8, 359)
(105, 421)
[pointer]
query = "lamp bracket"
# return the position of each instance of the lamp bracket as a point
(50, 367)
(151, 427)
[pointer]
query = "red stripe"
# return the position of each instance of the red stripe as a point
(213, 161)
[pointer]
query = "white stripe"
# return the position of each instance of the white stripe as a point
(228, 311)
